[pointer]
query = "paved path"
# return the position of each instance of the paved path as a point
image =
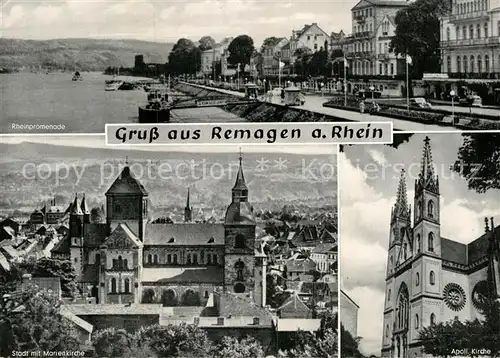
(314, 103)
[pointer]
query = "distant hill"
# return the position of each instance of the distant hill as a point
(79, 54)
(25, 183)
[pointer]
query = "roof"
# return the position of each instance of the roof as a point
(369, 3)
(315, 287)
(62, 247)
(342, 292)
(304, 266)
(187, 234)
(122, 238)
(113, 309)
(324, 248)
(95, 234)
(77, 320)
(453, 251)
(125, 183)
(296, 324)
(164, 275)
(90, 274)
(52, 284)
(236, 306)
(8, 230)
(56, 209)
(294, 307)
(4, 263)
(11, 251)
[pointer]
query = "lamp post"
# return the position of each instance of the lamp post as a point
(372, 88)
(452, 94)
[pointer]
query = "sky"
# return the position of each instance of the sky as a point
(167, 21)
(368, 181)
(98, 141)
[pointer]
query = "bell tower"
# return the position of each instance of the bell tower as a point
(239, 238)
(76, 222)
(188, 210)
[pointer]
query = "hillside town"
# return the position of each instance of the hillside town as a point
(250, 278)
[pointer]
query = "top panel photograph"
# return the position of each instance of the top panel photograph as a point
(73, 66)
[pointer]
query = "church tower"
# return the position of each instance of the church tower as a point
(239, 238)
(188, 210)
(426, 270)
(398, 252)
(76, 220)
(85, 211)
(127, 203)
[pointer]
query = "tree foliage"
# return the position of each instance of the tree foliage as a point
(231, 347)
(241, 50)
(112, 342)
(206, 43)
(96, 215)
(269, 41)
(39, 326)
(175, 340)
(349, 346)
(48, 267)
(479, 161)
(418, 34)
(185, 58)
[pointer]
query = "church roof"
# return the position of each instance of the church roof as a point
(125, 183)
(122, 238)
(63, 246)
(75, 208)
(203, 274)
(95, 234)
(189, 234)
(84, 207)
(240, 179)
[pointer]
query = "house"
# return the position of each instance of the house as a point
(272, 56)
(349, 313)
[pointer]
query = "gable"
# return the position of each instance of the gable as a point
(313, 29)
(122, 238)
(362, 4)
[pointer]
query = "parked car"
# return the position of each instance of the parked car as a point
(419, 102)
(471, 101)
(276, 91)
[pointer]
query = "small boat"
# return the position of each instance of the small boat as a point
(113, 85)
(157, 110)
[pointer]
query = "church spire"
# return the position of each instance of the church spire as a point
(188, 211)
(427, 179)
(76, 209)
(401, 208)
(240, 189)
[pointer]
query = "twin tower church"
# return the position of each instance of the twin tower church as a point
(430, 278)
(127, 259)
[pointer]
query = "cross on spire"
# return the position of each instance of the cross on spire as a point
(427, 177)
(240, 156)
(126, 160)
(401, 208)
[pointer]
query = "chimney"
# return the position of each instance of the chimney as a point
(220, 321)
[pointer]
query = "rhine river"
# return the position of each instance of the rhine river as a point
(81, 106)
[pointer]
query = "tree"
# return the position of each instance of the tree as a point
(96, 215)
(185, 57)
(231, 347)
(112, 342)
(240, 51)
(349, 346)
(47, 267)
(175, 340)
(479, 161)
(418, 34)
(206, 43)
(269, 41)
(40, 326)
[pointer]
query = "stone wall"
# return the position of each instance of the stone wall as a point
(130, 323)
(176, 295)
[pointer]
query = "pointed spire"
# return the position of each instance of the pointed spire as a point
(401, 209)
(126, 160)
(240, 178)
(427, 179)
(187, 200)
(75, 208)
(83, 205)
(486, 227)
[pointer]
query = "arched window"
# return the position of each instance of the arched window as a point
(239, 288)
(430, 209)
(387, 331)
(125, 264)
(126, 285)
(457, 30)
(113, 285)
(487, 64)
(175, 258)
(464, 31)
(403, 308)
(418, 243)
(389, 295)
(448, 64)
(206, 294)
(419, 210)
(479, 64)
(417, 322)
(432, 278)
(447, 34)
(169, 259)
(433, 318)
(486, 30)
(430, 242)
(188, 259)
(459, 64)
(478, 31)
(417, 279)
(239, 241)
(392, 69)
(195, 258)
(215, 259)
(150, 258)
(209, 259)
(119, 262)
(405, 250)
(472, 64)
(155, 258)
(466, 67)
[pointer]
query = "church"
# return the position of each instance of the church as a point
(130, 260)
(431, 278)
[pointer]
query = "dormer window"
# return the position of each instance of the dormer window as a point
(171, 240)
(211, 240)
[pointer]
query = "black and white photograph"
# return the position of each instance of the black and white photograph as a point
(419, 229)
(72, 66)
(213, 251)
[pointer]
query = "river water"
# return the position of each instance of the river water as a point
(77, 107)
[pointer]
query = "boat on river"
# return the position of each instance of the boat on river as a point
(113, 85)
(77, 77)
(157, 110)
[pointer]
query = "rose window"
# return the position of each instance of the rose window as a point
(454, 296)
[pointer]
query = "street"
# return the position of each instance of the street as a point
(460, 109)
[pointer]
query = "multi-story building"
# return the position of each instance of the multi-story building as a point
(219, 53)
(470, 39)
(367, 48)
(273, 54)
(430, 278)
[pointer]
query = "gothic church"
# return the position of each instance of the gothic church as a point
(430, 278)
(127, 259)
